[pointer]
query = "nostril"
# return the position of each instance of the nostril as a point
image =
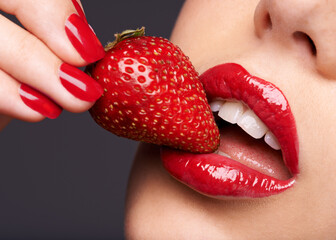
(267, 21)
(304, 38)
(262, 19)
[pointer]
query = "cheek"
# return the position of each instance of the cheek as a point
(313, 101)
(317, 130)
(217, 26)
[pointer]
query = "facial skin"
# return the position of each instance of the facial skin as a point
(277, 49)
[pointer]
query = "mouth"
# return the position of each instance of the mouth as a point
(258, 154)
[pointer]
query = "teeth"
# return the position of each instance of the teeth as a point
(231, 111)
(237, 112)
(271, 140)
(251, 124)
(216, 105)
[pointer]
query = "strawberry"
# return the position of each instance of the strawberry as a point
(152, 93)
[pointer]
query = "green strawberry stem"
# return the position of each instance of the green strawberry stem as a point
(124, 35)
(139, 32)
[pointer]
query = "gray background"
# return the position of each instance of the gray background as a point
(66, 178)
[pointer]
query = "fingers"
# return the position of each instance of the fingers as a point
(61, 25)
(30, 61)
(38, 77)
(25, 104)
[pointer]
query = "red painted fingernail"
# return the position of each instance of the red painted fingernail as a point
(79, 10)
(39, 102)
(79, 84)
(83, 39)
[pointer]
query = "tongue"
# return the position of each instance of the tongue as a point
(251, 152)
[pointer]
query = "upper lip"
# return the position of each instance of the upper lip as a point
(232, 81)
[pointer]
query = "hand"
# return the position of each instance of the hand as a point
(38, 74)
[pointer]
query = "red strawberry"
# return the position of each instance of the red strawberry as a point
(153, 94)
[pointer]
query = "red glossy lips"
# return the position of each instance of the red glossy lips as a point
(219, 176)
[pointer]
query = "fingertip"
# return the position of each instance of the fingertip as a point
(80, 108)
(39, 102)
(79, 84)
(12, 103)
(33, 117)
(83, 39)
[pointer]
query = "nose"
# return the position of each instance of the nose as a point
(306, 25)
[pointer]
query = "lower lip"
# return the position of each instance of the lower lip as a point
(219, 176)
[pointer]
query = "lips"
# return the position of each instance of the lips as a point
(220, 176)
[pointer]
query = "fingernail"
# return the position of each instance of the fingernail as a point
(83, 39)
(79, 10)
(38, 102)
(79, 84)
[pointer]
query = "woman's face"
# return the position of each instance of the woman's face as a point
(291, 44)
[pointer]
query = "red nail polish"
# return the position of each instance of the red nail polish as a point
(79, 10)
(79, 84)
(83, 39)
(39, 102)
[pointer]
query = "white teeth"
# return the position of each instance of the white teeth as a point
(237, 112)
(251, 124)
(231, 111)
(271, 140)
(216, 105)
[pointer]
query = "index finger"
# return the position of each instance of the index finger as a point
(61, 25)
